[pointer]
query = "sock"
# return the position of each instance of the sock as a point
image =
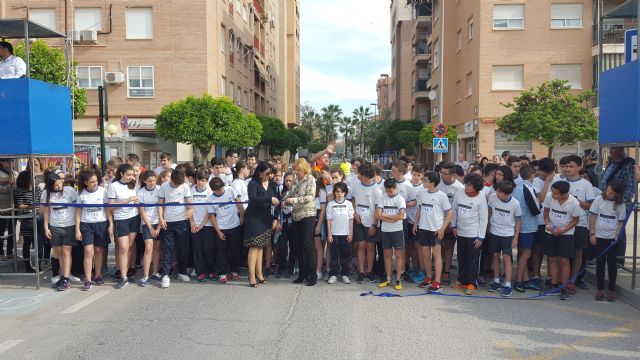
(496, 280)
(55, 266)
(507, 283)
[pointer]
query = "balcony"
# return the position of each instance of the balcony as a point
(421, 90)
(422, 52)
(422, 15)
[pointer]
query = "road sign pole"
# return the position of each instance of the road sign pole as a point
(103, 155)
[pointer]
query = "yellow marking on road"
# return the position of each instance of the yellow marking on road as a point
(508, 350)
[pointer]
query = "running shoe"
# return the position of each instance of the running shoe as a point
(202, 278)
(360, 279)
(425, 283)
(600, 295)
(235, 276)
(332, 279)
(74, 279)
(213, 276)
(471, 290)
(192, 273)
(122, 283)
(398, 285)
(435, 287)
(117, 276)
(446, 279)
(183, 277)
(564, 294)
(222, 279)
(318, 275)
(63, 285)
(406, 277)
(384, 284)
(571, 288)
(165, 282)
(55, 281)
(507, 291)
(494, 287)
(369, 278)
(86, 286)
(131, 272)
(98, 280)
(346, 280)
(156, 277)
(519, 287)
(144, 282)
(533, 285)
(611, 296)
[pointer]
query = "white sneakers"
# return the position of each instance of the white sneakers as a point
(73, 279)
(319, 275)
(346, 280)
(165, 282)
(183, 277)
(332, 280)
(55, 279)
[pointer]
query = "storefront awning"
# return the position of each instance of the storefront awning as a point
(15, 29)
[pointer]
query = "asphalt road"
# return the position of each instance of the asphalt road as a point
(280, 320)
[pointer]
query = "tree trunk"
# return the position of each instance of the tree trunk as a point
(203, 155)
(550, 152)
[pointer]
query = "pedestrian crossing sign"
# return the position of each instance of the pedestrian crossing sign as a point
(440, 145)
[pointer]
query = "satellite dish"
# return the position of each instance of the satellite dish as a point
(432, 95)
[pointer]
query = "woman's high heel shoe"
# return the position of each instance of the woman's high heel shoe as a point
(262, 281)
(253, 285)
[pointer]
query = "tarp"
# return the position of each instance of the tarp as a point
(14, 29)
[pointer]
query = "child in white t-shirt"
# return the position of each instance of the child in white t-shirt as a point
(148, 194)
(432, 220)
(340, 232)
(391, 212)
(201, 228)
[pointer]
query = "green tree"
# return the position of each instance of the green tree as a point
(49, 64)
(551, 114)
(426, 135)
(409, 140)
(361, 116)
(303, 136)
(275, 135)
(329, 123)
(206, 121)
(346, 126)
(395, 135)
(309, 119)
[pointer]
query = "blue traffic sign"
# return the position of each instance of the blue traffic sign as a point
(630, 45)
(440, 145)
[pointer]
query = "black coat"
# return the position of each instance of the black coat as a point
(258, 216)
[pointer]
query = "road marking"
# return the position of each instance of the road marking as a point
(85, 302)
(8, 345)
(508, 350)
(587, 312)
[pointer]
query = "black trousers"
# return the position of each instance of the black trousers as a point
(468, 261)
(204, 250)
(302, 236)
(340, 256)
(286, 256)
(228, 251)
(609, 258)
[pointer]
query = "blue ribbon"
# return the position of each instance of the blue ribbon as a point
(135, 205)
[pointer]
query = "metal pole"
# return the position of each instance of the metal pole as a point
(103, 156)
(634, 265)
(441, 85)
(26, 45)
(36, 245)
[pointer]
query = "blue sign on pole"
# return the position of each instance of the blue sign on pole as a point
(630, 45)
(441, 145)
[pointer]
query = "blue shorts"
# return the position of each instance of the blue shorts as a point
(126, 226)
(96, 234)
(525, 241)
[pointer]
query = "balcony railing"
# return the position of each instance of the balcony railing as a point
(423, 10)
(421, 85)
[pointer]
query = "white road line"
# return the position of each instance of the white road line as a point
(85, 302)
(8, 345)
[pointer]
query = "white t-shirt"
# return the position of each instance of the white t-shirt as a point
(365, 198)
(150, 196)
(120, 192)
(504, 215)
(226, 214)
(413, 210)
(340, 214)
(91, 215)
(321, 199)
(380, 185)
(200, 211)
(61, 216)
(160, 169)
(487, 191)
(433, 207)
(608, 216)
(174, 195)
(450, 191)
(224, 177)
(352, 180)
(470, 215)
(582, 190)
(562, 214)
(408, 176)
(538, 185)
(240, 186)
(391, 206)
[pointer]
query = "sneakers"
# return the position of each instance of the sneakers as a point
(564, 294)
(406, 277)
(202, 278)
(369, 278)
(222, 279)
(346, 280)
(435, 287)
(86, 286)
(74, 279)
(359, 280)
(600, 295)
(144, 282)
(183, 277)
(571, 288)
(446, 279)
(611, 296)
(192, 273)
(332, 280)
(398, 285)
(471, 290)
(425, 283)
(384, 284)
(235, 276)
(507, 291)
(63, 285)
(165, 282)
(213, 276)
(156, 277)
(319, 275)
(55, 280)
(519, 287)
(98, 280)
(533, 284)
(494, 287)
(121, 283)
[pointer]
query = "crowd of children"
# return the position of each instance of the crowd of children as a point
(188, 220)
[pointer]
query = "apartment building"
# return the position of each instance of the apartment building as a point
(383, 102)
(147, 53)
(400, 96)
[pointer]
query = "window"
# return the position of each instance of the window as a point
(436, 55)
(508, 16)
(140, 23)
(569, 72)
(238, 96)
(89, 77)
(231, 90)
(88, 19)
(470, 28)
(435, 102)
(140, 81)
(46, 17)
(223, 86)
(459, 39)
(223, 39)
(566, 16)
(469, 84)
(508, 77)
(458, 90)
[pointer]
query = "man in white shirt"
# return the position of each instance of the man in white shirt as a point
(11, 66)
(462, 162)
(166, 163)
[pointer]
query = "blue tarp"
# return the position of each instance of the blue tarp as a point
(35, 118)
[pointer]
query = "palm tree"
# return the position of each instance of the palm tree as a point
(361, 115)
(329, 122)
(345, 126)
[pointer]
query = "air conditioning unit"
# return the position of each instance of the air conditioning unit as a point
(89, 36)
(114, 77)
(75, 35)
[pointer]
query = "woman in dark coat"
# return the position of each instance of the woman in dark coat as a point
(259, 219)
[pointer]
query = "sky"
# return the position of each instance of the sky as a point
(345, 46)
